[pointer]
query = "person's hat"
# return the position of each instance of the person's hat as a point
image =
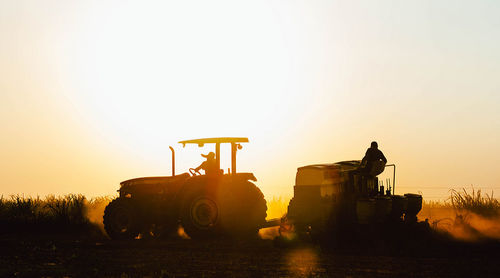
(209, 155)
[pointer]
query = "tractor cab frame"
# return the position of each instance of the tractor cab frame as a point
(235, 146)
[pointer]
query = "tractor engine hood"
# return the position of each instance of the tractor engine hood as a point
(154, 180)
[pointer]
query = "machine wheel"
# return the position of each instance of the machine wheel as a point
(121, 220)
(199, 213)
(236, 209)
(243, 209)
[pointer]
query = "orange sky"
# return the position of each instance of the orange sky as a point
(94, 92)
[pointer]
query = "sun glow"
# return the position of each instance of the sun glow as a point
(94, 92)
(153, 73)
(146, 76)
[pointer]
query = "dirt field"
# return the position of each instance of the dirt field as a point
(23, 256)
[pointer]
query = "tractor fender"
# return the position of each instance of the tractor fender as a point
(242, 176)
(195, 182)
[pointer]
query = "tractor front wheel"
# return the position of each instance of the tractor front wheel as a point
(121, 220)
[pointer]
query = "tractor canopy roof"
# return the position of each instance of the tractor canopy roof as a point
(216, 140)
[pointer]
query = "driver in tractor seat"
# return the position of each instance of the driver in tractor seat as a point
(210, 165)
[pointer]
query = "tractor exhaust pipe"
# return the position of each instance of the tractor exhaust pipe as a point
(173, 160)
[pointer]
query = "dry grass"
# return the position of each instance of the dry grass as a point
(474, 201)
(467, 214)
(52, 214)
(465, 201)
(277, 207)
(74, 212)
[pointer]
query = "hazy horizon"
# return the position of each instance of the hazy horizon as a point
(93, 92)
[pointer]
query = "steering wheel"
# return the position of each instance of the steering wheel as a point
(194, 172)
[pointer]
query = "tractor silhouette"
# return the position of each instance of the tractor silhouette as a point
(208, 205)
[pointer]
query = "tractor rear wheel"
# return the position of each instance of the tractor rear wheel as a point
(121, 220)
(243, 209)
(199, 214)
(236, 209)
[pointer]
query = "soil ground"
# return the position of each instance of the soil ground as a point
(28, 256)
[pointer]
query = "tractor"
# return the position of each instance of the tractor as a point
(205, 205)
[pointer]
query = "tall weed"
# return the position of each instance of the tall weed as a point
(474, 201)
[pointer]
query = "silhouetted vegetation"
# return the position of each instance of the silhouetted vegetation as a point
(467, 215)
(277, 207)
(74, 213)
(474, 201)
(52, 214)
(465, 201)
